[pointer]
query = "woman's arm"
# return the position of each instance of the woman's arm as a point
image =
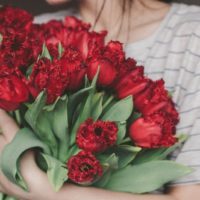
(41, 189)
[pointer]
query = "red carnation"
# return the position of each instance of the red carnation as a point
(14, 18)
(18, 50)
(96, 136)
(73, 62)
(154, 131)
(84, 168)
(108, 60)
(13, 91)
(132, 83)
(52, 76)
(155, 98)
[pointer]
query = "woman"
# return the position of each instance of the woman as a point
(166, 39)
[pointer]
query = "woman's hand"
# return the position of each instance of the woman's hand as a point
(37, 182)
(8, 129)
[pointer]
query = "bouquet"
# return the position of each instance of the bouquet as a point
(89, 112)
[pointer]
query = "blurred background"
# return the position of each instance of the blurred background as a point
(40, 6)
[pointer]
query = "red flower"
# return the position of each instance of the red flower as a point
(84, 168)
(107, 59)
(18, 50)
(72, 23)
(132, 83)
(79, 36)
(96, 136)
(53, 32)
(13, 90)
(73, 62)
(14, 18)
(53, 77)
(154, 131)
(154, 99)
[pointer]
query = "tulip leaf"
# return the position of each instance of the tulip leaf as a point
(39, 119)
(96, 106)
(1, 37)
(35, 108)
(124, 154)
(75, 99)
(120, 111)
(45, 53)
(121, 132)
(56, 117)
(60, 50)
(56, 172)
(24, 140)
(102, 181)
(146, 177)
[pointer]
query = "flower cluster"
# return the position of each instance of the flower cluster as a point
(92, 137)
(96, 136)
(57, 57)
(84, 168)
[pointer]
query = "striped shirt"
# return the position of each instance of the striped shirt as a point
(172, 52)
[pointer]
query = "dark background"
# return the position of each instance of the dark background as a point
(40, 6)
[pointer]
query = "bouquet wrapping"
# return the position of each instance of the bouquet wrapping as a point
(91, 115)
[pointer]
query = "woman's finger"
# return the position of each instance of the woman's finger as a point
(8, 126)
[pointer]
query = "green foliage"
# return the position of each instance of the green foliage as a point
(45, 53)
(40, 121)
(1, 38)
(56, 172)
(145, 177)
(120, 111)
(60, 50)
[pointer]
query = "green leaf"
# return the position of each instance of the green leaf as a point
(146, 177)
(60, 50)
(97, 107)
(34, 110)
(24, 140)
(73, 151)
(60, 126)
(107, 101)
(120, 111)
(45, 131)
(1, 37)
(1, 196)
(121, 131)
(29, 71)
(160, 153)
(57, 172)
(102, 181)
(124, 154)
(40, 121)
(45, 53)
(75, 99)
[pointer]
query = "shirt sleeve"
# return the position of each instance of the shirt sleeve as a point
(188, 103)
